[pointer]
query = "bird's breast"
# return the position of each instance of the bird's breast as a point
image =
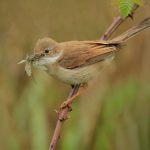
(75, 76)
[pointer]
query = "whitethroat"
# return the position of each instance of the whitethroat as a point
(77, 62)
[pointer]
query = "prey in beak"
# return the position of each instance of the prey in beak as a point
(29, 61)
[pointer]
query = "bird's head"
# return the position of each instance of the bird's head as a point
(46, 52)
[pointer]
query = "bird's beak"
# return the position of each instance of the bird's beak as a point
(31, 58)
(34, 57)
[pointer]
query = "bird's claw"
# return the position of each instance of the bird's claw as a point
(66, 104)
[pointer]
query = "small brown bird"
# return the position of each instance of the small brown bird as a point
(77, 62)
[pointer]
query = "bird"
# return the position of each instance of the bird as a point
(78, 62)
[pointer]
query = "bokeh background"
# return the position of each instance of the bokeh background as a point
(113, 113)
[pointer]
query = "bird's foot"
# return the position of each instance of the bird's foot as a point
(66, 104)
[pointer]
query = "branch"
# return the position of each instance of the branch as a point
(62, 114)
(116, 23)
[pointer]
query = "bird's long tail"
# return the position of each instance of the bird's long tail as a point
(131, 32)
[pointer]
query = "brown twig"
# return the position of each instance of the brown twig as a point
(116, 23)
(62, 114)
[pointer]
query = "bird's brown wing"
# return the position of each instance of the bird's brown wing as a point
(82, 53)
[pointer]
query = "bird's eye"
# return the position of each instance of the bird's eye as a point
(46, 50)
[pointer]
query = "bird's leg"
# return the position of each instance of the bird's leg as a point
(68, 102)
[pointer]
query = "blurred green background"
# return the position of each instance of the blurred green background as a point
(114, 111)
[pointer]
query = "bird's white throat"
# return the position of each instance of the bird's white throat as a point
(46, 60)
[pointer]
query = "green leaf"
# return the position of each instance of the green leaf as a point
(125, 7)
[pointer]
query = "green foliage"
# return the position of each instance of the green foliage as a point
(126, 6)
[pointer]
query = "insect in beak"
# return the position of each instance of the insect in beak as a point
(27, 62)
(31, 60)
